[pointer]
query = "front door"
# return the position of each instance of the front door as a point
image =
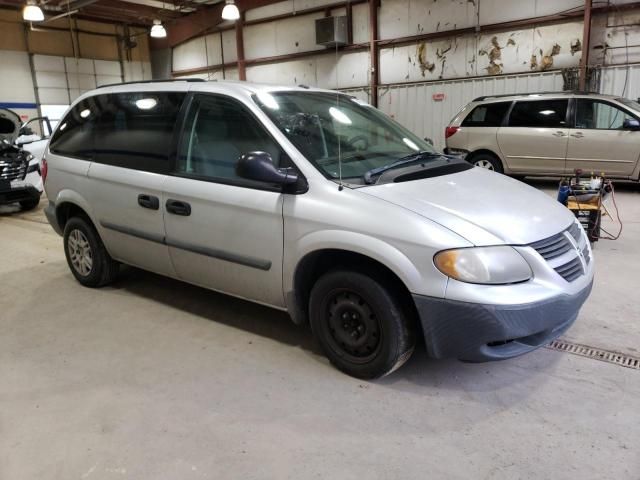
(599, 142)
(224, 232)
(535, 138)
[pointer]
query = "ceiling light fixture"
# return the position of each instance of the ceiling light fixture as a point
(158, 31)
(32, 12)
(230, 11)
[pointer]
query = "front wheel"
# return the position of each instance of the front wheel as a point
(360, 324)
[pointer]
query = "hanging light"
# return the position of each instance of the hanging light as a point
(32, 12)
(158, 31)
(230, 11)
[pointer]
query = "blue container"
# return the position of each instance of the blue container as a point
(563, 194)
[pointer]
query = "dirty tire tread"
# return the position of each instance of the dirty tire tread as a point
(398, 328)
(104, 269)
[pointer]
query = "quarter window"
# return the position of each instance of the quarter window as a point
(74, 136)
(487, 115)
(218, 130)
(592, 114)
(539, 113)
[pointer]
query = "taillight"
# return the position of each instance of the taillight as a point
(450, 131)
(44, 169)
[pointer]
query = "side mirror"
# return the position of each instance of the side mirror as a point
(259, 166)
(631, 124)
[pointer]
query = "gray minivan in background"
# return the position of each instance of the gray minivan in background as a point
(315, 203)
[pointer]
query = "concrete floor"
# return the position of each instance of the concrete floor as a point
(155, 379)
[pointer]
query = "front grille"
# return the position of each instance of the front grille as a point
(571, 270)
(569, 267)
(13, 168)
(553, 247)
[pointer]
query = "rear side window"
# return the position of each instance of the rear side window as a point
(130, 130)
(487, 115)
(135, 129)
(539, 113)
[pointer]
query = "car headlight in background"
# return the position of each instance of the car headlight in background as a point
(485, 265)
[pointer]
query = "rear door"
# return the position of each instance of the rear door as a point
(479, 129)
(536, 136)
(224, 232)
(599, 142)
(133, 139)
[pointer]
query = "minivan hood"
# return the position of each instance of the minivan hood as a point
(484, 207)
(9, 125)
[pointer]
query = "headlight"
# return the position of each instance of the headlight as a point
(485, 265)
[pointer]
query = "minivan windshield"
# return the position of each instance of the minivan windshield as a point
(326, 127)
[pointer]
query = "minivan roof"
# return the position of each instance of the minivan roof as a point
(517, 96)
(185, 84)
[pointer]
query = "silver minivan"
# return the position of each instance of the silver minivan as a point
(315, 203)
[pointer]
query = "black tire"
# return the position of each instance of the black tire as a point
(486, 160)
(81, 236)
(30, 204)
(377, 336)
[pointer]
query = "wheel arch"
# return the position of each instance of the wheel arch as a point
(68, 204)
(317, 262)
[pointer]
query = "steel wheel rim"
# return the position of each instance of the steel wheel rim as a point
(484, 164)
(80, 252)
(353, 328)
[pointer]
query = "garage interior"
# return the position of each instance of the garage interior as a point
(154, 378)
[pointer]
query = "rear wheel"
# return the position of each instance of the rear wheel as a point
(487, 161)
(86, 255)
(360, 324)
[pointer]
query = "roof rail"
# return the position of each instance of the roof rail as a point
(529, 94)
(165, 80)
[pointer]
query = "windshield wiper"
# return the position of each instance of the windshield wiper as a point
(414, 157)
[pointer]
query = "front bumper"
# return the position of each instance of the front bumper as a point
(477, 333)
(18, 194)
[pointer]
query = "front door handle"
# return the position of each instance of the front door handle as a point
(178, 208)
(577, 135)
(559, 133)
(148, 201)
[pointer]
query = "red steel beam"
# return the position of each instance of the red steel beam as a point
(374, 51)
(586, 41)
(242, 66)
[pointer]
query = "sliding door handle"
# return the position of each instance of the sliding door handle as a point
(148, 201)
(178, 208)
(559, 133)
(577, 135)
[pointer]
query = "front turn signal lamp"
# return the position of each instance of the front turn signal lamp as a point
(500, 265)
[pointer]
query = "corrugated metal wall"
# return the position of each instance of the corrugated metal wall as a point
(413, 105)
(623, 81)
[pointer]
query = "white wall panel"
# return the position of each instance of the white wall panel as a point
(79, 65)
(107, 79)
(413, 106)
(350, 70)
(55, 96)
(48, 63)
(400, 18)
(497, 11)
(622, 81)
(229, 46)
(51, 79)
(105, 67)
(360, 16)
(190, 54)
(16, 84)
(288, 6)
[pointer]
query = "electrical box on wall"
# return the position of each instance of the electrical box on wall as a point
(331, 31)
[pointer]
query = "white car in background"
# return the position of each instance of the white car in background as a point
(21, 149)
